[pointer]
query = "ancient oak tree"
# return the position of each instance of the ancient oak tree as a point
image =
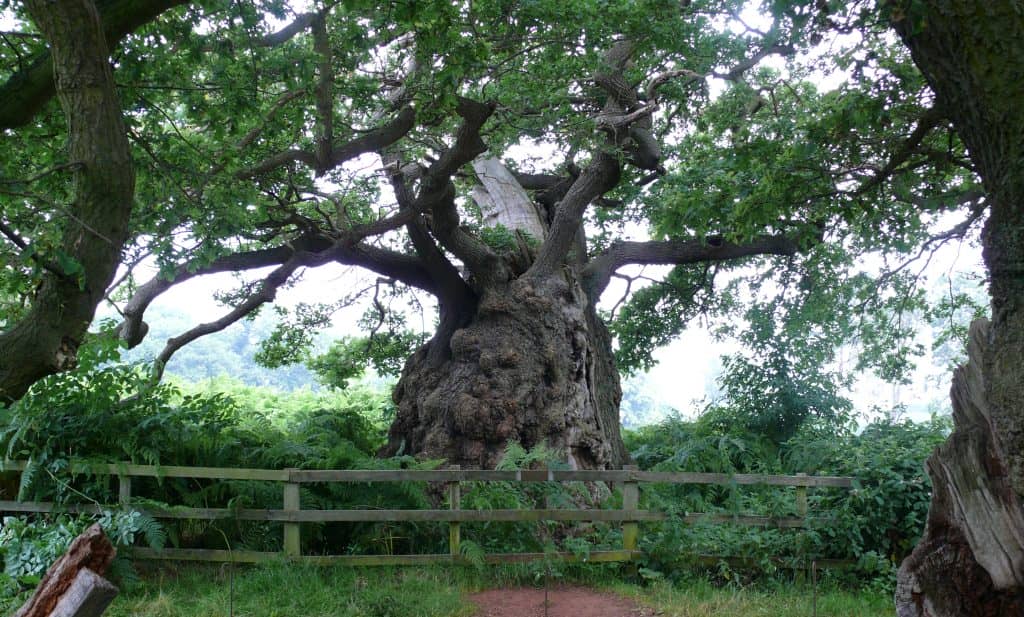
(508, 159)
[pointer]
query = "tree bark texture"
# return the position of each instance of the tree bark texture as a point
(46, 339)
(971, 558)
(969, 561)
(533, 365)
(64, 591)
(31, 87)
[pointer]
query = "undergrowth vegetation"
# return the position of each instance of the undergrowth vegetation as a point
(86, 416)
(208, 591)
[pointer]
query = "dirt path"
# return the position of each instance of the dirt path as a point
(562, 602)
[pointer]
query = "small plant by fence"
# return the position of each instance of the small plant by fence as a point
(292, 515)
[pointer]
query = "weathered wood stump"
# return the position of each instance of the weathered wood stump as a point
(970, 561)
(74, 585)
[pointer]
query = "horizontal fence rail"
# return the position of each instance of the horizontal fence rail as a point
(292, 515)
(443, 475)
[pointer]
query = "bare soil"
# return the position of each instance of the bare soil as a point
(562, 602)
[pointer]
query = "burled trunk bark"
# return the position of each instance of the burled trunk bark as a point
(970, 561)
(532, 365)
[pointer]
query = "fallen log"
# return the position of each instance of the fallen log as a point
(74, 585)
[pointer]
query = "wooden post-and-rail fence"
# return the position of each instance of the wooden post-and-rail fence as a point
(292, 515)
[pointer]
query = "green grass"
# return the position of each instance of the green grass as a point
(701, 599)
(287, 591)
(294, 591)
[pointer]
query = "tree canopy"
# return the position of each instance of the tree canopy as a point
(696, 135)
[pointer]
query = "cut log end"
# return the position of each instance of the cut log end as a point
(74, 584)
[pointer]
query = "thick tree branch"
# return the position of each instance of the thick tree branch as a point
(601, 268)
(437, 190)
(537, 182)
(436, 193)
(324, 95)
(483, 262)
(600, 176)
(467, 146)
(408, 269)
(372, 141)
(736, 72)
(279, 159)
(287, 33)
(455, 298)
(25, 92)
(388, 263)
(445, 275)
(298, 25)
(603, 172)
(347, 251)
(133, 329)
(267, 292)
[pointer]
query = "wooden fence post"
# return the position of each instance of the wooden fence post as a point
(801, 511)
(630, 501)
(454, 527)
(801, 499)
(292, 503)
(124, 490)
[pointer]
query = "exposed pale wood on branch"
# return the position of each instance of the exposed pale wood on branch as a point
(503, 201)
(89, 596)
(975, 525)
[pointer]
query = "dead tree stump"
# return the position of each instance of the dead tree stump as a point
(970, 561)
(74, 585)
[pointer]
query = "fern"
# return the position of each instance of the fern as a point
(153, 533)
(473, 553)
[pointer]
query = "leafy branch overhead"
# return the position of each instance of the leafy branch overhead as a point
(484, 159)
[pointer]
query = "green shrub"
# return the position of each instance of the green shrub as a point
(876, 523)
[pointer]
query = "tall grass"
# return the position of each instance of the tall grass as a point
(300, 591)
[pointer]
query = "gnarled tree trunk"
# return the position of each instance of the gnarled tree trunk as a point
(532, 365)
(971, 561)
(46, 339)
(528, 360)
